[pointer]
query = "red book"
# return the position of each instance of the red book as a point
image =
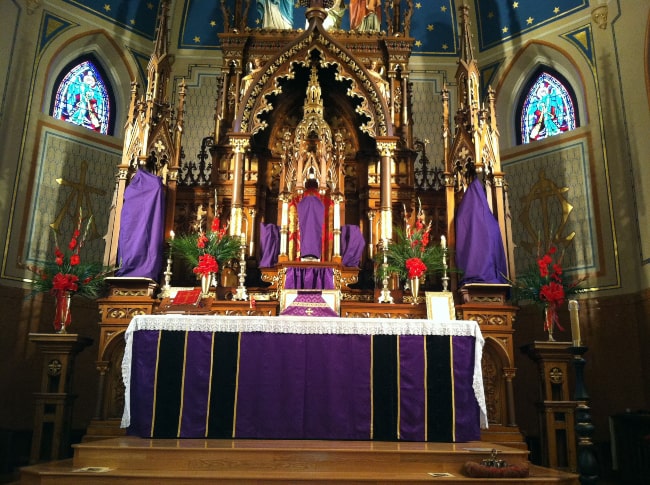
(187, 297)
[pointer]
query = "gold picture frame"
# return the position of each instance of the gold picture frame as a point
(440, 305)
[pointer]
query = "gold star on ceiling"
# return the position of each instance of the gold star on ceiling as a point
(150, 5)
(445, 47)
(529, 20)
(418, 43)
(107, 7)
(430, 27)
(505, 30)
(556, 10)
(212, 23)
(132, 21)
(197, 39)
(443, 9)
(515, 4)
(490, 15)
(418, 5)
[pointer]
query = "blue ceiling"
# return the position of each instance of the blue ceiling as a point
(433, 25)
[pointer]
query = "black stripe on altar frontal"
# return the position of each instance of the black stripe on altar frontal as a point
(169, 384)
(225, 358)
(440, 404)
(385, 387)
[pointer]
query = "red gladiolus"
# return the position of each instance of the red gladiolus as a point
(58, 257)
(216, 224)
(73, 244)
(200, 243)
(74, 260)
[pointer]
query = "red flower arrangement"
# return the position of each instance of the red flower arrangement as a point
(546, 284)
(415, 267)
(68, 275)
(411, 255)
(206, 251)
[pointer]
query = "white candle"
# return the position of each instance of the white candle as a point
(337, 215)
(242, 236)
(172, 235)
(443, 242)
(575, 322)
(285, 214)
(215, 197)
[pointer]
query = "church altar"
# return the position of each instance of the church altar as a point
(198, 376)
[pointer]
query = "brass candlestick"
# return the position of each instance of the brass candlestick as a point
(385, 296)
(241, 294)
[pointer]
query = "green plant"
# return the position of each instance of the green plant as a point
(216, 243)
(67, 273)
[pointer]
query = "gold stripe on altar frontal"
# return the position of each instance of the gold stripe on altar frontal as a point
(155, 384)
(234, 413)
(180, 414)
(207, 404)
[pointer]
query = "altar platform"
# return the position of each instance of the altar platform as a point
(130, 460)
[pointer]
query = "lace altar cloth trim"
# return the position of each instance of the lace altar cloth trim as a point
(305, 325)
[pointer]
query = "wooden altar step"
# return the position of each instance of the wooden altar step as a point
(129, 460)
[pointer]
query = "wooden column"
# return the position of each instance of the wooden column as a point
(53, 415)
(386, 147)
(556, 411)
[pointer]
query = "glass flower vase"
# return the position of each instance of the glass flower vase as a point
(62, 313)
(549, 321)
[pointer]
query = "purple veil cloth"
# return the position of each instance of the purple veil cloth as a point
(479, 248)
(269, 245)
(311, 213)
(352, 245)
(309, 278)
(140, 243)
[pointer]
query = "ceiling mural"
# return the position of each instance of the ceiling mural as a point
(138, 16)
(502, 20)
(433, 24)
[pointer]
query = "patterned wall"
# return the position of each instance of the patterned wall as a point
(427, 113)
(200, 104)
(551, 197)
(71, 171)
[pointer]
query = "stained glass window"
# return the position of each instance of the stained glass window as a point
(548, 108)
(83, 98)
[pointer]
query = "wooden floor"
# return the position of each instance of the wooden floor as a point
(128, 460)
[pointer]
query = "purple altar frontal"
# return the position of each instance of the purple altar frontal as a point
(286, 377)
